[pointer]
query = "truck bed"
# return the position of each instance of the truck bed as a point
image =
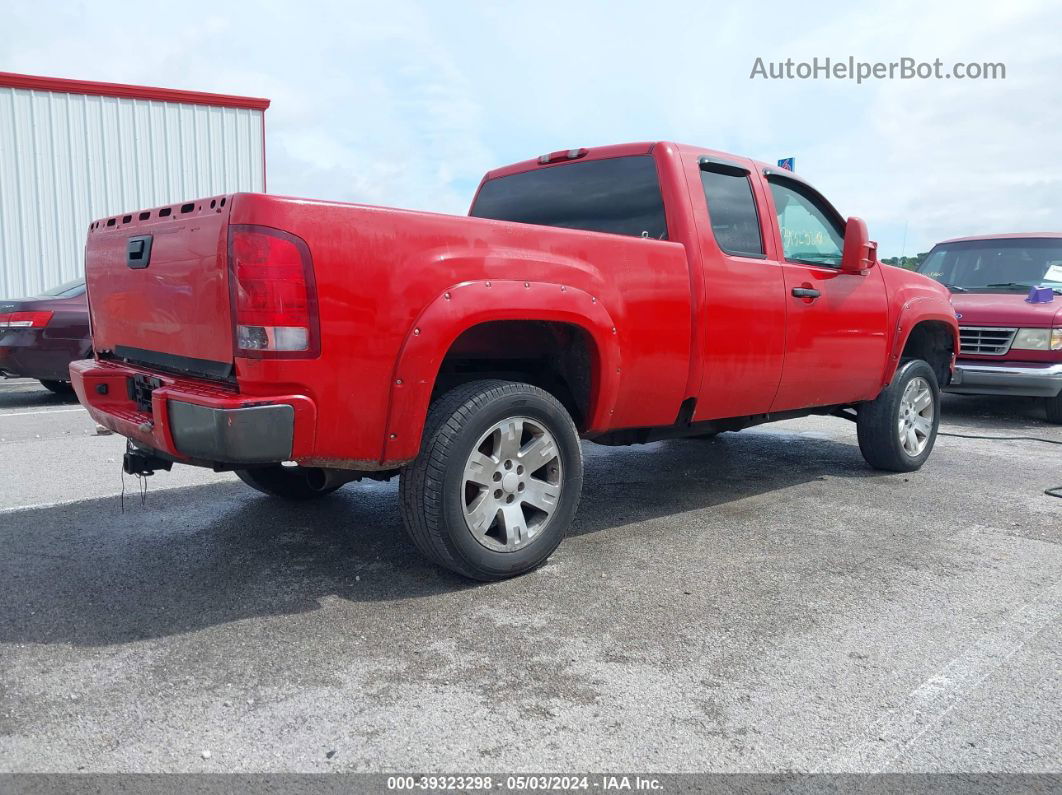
(377, 270)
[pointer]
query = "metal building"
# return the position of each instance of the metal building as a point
(72, 151)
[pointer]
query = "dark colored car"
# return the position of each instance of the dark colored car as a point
(40, 336)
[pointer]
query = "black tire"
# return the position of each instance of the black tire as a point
(289, 483)
(58, 387)
(433, 488)
(1053, 406)
(879, 420)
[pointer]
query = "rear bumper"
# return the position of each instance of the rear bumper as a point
(1018, 379)
(196, 422)
(30, 353)
(252, 434)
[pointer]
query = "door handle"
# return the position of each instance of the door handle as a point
(806, 292)
(138, 252)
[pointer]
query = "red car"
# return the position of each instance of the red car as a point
(621, 294)
(1007, 292)
(40, 336)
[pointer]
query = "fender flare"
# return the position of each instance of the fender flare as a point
(919, 309)
(469, 304)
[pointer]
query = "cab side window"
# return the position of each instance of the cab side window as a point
(732, 211)
(809, 231)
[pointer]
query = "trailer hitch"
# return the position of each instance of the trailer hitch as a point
(137, 462)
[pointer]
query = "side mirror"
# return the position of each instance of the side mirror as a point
(860, 253)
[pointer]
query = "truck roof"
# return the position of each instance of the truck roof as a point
(620, 150)
(1010, 236)
(595, 153)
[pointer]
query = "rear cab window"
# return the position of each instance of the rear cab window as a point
(617, 195)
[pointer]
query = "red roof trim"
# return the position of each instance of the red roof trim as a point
(1004, 236)
(34, 83)
(592, 153)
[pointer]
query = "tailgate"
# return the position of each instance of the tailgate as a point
(158, 287)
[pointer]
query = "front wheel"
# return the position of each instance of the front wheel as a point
(1053, 405)
(898, 428)
(497, 481)
(290, 483)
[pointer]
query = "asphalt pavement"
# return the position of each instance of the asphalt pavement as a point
(762, 601)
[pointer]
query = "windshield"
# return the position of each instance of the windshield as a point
(996, 265)
(66, 290)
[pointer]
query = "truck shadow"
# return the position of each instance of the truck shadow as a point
(993, 414)
(87, 574)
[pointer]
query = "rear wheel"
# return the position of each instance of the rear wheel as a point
(1054, 409)
(897, 429)
(58, 387)
(497, 481)
(291, 483)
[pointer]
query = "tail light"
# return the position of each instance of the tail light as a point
(274, 298)
(25, 319)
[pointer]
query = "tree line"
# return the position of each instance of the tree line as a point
(910, 263)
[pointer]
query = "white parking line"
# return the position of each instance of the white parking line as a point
(18, 508)
(900, 729)
(42, 411)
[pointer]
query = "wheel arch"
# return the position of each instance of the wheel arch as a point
(925, 330)
(466, 307)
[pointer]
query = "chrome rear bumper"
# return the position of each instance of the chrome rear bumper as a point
(254, 434)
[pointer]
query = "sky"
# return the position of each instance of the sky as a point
(407, 103)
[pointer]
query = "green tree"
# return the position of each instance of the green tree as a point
(910, 263)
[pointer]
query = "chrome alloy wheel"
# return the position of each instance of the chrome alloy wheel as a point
(511, 484)
(915, 423)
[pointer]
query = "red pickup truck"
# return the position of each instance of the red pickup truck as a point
(621, 294)
(1007, 292)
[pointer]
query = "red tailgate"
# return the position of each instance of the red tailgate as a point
(158, 287)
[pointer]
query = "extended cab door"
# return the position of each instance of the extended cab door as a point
(741, 319)
(836, 322)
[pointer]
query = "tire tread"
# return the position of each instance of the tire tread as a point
(1053, 407)
(876, 429)
(274, 481)
(420, 486)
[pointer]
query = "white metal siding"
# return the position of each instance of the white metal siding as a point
(67, 159)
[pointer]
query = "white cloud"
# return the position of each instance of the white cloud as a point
(407, 104)
(951, 157)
